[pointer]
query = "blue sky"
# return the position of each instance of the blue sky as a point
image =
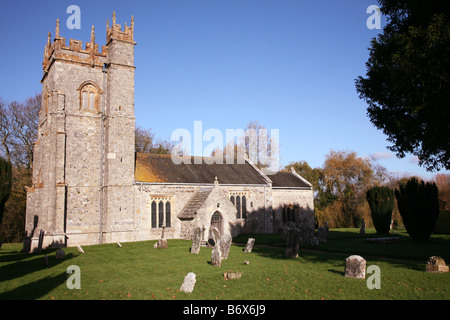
(289, 64)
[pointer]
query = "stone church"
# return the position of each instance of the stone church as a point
(89, 186)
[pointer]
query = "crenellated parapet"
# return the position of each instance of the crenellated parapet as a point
(90, 53)
(115, 32)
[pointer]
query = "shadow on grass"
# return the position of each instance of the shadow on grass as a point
(34, 290)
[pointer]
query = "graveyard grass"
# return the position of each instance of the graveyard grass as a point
(137, 271)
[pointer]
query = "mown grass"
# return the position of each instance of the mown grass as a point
(137, 271)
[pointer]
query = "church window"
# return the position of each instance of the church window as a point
(239, 199)
(238, 207)
(161, 212)
(168, 214)
(288, 214)
(154, 224)
(244, 208)
(89, 97)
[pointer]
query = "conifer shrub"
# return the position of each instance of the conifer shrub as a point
(5, 184)
(418, 205)
(381, 203)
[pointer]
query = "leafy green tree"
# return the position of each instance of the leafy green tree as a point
(407, 85)
(381, 203)
(419, 207)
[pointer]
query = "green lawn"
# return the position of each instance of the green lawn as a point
(137, 271)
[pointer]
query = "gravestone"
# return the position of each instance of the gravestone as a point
(216, 234)
(306, 232)
(292, 236)
(119, 245)
(80, 250)
(195, 249)
(322, 233)
(436, 264)
(249, 246)
(46, 260)
(216, 256)
(355, 267)
(225, 244)
(188, 283)
(162, 242)
(231, 275)
(363, 227)
(214, 237)
(60, 254)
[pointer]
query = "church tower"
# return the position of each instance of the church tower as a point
(83, 164)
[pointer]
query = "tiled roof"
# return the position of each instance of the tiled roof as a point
(196, 201)
(287, 179)
(161, 168)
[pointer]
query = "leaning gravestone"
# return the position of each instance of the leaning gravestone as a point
(188, 283)
(224, 245)
(195, 249)
(249, 246)
(355, 267)
(216, 256)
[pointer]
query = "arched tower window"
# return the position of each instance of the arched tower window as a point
(90, 97)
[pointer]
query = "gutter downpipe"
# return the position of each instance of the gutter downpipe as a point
(105, 71)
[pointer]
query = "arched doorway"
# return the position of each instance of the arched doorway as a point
(217, 222)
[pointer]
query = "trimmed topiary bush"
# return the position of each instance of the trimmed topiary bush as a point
(5, 184)
(381, 203)
(418, 205)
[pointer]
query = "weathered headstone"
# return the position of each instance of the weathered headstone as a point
(306, 232)
(355, 267)
(188, 283)
(161, 244)
(195, 249)
(249, 246)
(216, 256)
(292, 240)
(231, 275)
(216, 234)
(322, 233)
(436, 264)
(363, 227)
(225, 244)
(60, 254)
